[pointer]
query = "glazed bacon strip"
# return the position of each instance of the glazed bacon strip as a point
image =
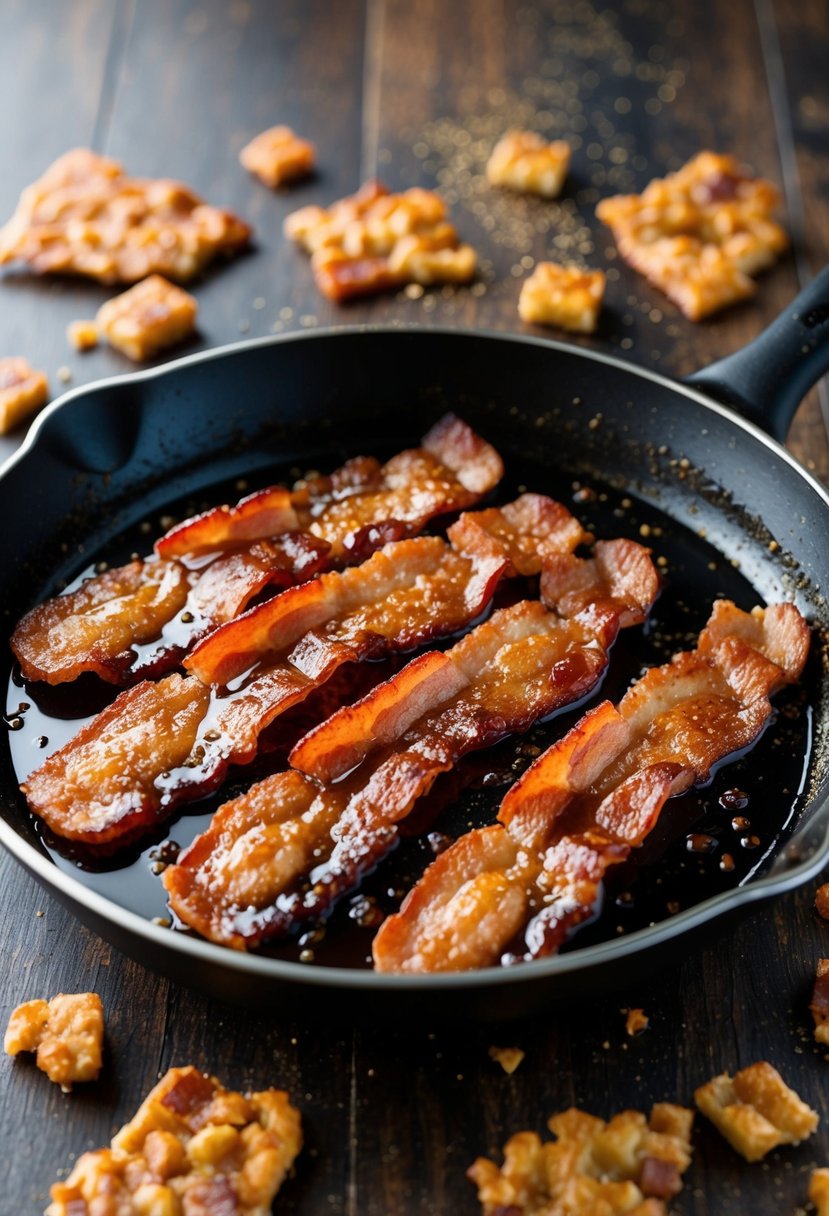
(137, 621)
(594, 796)
(288, 848)
(136, 761)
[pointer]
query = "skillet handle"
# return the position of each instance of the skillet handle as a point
(767, 380)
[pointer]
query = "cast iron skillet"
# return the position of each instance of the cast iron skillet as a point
(110, 455)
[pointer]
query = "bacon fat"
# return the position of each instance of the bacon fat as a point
(594, 796)
(138, 621)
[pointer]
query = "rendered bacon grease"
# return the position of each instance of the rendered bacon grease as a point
(140, 619)
(518, 888)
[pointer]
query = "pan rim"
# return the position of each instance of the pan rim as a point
(275, 970)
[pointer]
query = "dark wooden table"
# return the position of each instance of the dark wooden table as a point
(416, 93)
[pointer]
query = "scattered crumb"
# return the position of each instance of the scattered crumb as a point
(819, 1005)
(822, 901)
(819, 1191)
(83, 335)
(64, 374)
(508, 1057)
(636, 1022)
(277, 156)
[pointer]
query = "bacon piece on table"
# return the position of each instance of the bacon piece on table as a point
(593, 796)
(140, 619)
(241, 881)
(276, 654)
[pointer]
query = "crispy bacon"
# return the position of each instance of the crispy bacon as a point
(620, 575)
(276, 654)
(594, 796)
(139, 620)
(241, 885)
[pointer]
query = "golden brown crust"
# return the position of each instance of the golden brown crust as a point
(22, 391)
(192, 1148)
(819, 1191)
(66, 1032)
(699, 234)
(277, 156)
(86, 216)
(755, 1110)
(564, 296)
(627, 1165)
(374, 241)
(522, 160)
(147, 318)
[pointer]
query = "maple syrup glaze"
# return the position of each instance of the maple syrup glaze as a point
(665, 876)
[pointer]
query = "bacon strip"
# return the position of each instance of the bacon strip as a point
(594, 796)
(139, 620)
(276, 654)
(285, 851)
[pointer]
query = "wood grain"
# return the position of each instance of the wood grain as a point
(417, 94)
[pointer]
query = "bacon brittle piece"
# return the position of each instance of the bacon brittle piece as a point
(593, 796)
(374, 241)
(140, 619)
(628, 1165)
(522, 664)
(192, 1148)
(99, 787)
(699, 234)
(66, 1032)
(85, 216)
(755, 1110)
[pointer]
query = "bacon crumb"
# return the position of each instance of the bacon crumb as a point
(22, 391)
(508, 1057)
(277, 156)
(822, 901)
(819, 1005)
(83, 335)
(66, 1033)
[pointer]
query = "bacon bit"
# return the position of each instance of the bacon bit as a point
(822, 901)
(508, 1057)
(592, 797)
(661, 1179)
(636, 1022)
(274, 537)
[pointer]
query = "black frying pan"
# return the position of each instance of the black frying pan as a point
(732, 509)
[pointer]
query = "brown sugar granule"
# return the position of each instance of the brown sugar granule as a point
(628, 1165)
(636, 1022)
(193, 1148)
(819, 1191)
(86, 216)
(755, 1110)
(22, 391)
(822, 901)
(277, 156)
(508, 1057)
(148, 317)
(83, 335)
(819, 1005)
(564, 296)
(66, 1033)
(522, 160)
(699, 234)
(375, 241)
